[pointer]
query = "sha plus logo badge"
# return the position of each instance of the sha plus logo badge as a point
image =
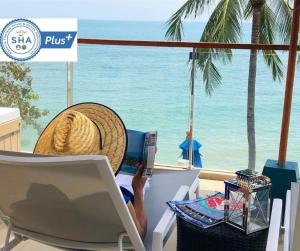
(21, 39)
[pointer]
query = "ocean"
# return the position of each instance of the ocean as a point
(149, 88)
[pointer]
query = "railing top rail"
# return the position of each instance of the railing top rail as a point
(184, 44)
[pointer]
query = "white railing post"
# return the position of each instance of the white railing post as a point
(193, 57)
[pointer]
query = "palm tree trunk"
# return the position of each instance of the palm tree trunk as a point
(257, 8)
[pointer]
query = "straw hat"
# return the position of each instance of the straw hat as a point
(84, 129)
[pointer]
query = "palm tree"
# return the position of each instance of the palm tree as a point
(271, 20)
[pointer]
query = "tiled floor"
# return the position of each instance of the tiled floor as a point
(205, 185)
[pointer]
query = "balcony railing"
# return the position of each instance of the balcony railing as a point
(127, 74)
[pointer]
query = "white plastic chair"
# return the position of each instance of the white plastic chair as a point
(291, 225)
(73, 202)
(291, 241)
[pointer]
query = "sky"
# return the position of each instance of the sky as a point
(144, 10)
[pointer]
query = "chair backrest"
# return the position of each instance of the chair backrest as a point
(295, 217)
(292, 219)
(73, 198)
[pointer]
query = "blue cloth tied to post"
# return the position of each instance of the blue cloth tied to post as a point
(184, 146)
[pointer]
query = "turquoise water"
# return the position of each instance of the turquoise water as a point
(149, 89)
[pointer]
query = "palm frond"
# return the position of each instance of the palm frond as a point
(283, 18)
(175, 30)
(191, 8)
(267, 36)
(211, 76)
(266, 26)
(222, 26)
(275, 63)
(248, 11)
(224, 23)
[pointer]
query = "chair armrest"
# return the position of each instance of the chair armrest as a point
(275, 223)
(194, 189)
(166, 221)
(287, 222)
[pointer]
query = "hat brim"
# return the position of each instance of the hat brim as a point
(112, 129)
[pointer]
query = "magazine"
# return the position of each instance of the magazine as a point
(204, 211)
(141, 149)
